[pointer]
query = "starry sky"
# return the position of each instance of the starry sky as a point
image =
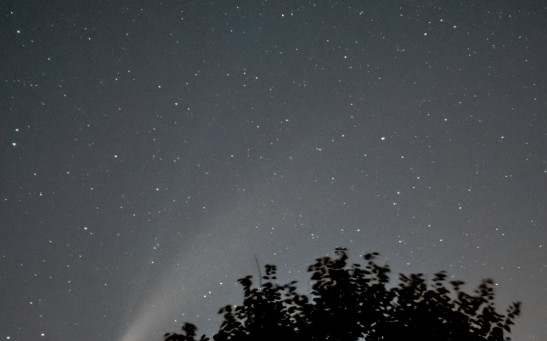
(149, 151)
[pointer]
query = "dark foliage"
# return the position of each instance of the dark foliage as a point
(351, 302)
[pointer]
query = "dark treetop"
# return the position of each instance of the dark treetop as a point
(354, 302)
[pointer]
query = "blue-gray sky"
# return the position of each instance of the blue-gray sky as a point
(150, 150)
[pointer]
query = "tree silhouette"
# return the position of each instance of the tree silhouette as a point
(351, 302)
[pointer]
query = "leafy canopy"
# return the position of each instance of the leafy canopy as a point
(351, 302)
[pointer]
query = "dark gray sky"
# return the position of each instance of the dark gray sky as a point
(150, 150)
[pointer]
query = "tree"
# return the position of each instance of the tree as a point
(351, 302)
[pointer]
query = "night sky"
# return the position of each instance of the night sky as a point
(149, 151)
